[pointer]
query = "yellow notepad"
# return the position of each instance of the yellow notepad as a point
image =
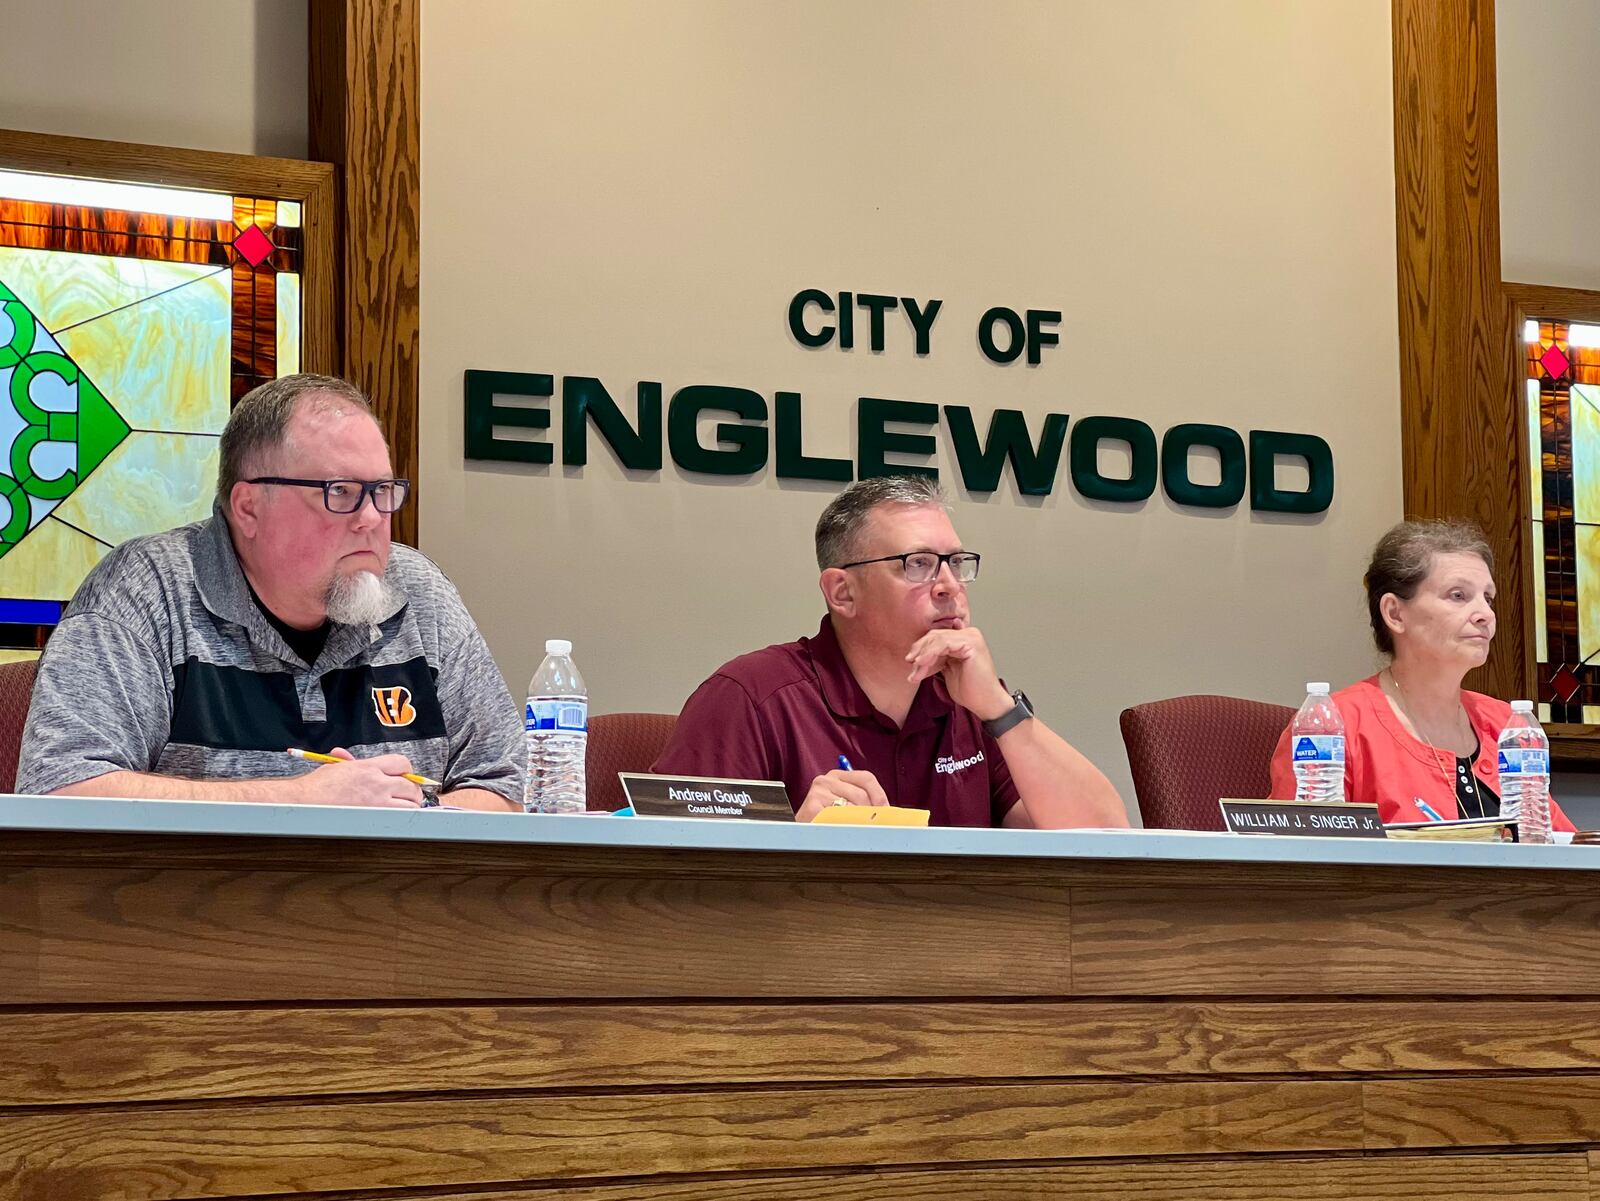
(871, 815)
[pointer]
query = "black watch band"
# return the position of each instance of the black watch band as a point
(1019, 712)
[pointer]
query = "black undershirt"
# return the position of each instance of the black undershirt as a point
(307, 644)
(1473, 797)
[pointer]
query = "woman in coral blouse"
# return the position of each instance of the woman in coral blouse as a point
(1411, 731)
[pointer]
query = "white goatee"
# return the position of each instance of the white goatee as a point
(359, 599)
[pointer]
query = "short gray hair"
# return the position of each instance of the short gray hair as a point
(840, 524)
(1403, 558)
(259, 423)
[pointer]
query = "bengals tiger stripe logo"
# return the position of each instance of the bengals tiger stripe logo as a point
(393, 706)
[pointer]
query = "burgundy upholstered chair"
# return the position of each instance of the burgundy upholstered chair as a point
(16, 692)
(622, 742)
(1189, 751)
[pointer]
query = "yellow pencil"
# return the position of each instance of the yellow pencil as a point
(319, 757)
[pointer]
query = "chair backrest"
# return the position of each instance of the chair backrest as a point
(1189, 751)
(16, 692)
(622, 742)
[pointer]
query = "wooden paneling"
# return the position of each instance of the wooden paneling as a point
(220, 1152)
(1459, 423)
(1485, 1112)
(148, 936)
(95, 1056)
(28, 849)
(1280, 940)
(1386, 1178)
(365, 93)
(584, 1029)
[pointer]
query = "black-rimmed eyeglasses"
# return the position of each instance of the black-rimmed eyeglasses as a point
(921, 566)
(347, 496)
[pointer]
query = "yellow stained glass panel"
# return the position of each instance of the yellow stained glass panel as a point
(63, 289)
(288, 294)
(1586, 453)
(1588, 538)
(1541, 635)
(150, 482)
(1535, 454)
(49, 563)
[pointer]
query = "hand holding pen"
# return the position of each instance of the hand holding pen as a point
(842, 786)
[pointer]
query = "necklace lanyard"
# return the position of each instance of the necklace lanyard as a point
(1451, 787)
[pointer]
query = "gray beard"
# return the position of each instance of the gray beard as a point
(361, 599)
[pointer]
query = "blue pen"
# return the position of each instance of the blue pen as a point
(1433, 814)
(844, 764)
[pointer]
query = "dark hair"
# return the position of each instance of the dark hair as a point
(1403, 558)
(841, 521)
(259, 423)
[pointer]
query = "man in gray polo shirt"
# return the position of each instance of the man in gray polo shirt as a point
(190, 661)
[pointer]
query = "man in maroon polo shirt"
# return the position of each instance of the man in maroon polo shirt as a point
(895, 683)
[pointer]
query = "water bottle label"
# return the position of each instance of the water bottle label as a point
(1530, 761)
(565, 717)
(1319, 748)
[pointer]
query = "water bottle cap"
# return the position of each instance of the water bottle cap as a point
(558, 646)
(1318, 689)
(1522, 706)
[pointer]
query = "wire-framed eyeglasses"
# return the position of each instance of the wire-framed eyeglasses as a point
(347, 496)
(921, 566)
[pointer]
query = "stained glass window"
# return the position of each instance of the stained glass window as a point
(1562, 382)
(131, 318)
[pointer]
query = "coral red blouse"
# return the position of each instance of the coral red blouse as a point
(1387, 766)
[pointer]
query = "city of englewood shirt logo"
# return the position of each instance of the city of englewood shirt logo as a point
(948, 765)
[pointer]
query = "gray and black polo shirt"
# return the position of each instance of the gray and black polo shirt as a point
(164, 663)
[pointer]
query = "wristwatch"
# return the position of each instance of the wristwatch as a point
(1019, 712)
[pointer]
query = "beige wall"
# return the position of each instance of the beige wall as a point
(209, 74)
(1549, 97)
(635, 190)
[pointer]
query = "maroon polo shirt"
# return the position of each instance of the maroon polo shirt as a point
(789, 711)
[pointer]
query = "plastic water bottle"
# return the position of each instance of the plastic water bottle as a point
(1523, 757)
(557, 722)
(1317, 738)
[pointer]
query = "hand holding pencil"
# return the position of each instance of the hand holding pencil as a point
(384, 780)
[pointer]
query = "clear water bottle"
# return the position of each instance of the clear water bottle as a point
(557, 722)
(1317, 738)
(1523, 757)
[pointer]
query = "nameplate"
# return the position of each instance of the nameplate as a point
(692, 796)
(1337, 819)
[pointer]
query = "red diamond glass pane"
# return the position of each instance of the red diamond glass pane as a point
(255, 246)
(1555, 362)
(1565, 685)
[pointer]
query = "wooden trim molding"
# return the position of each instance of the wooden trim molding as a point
(364, 83)
(1459, 425)
(309, 183)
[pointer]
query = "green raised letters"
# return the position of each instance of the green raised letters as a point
(1266, 496)
(981, 466)
(482, 415)
(741, 449)
(793, 462)
(797, 317)
(638, 449)
(874, 443)
(1084, 458)
(1180, 489)
(986, 342)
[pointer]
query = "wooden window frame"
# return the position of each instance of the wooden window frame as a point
(1571, 746)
